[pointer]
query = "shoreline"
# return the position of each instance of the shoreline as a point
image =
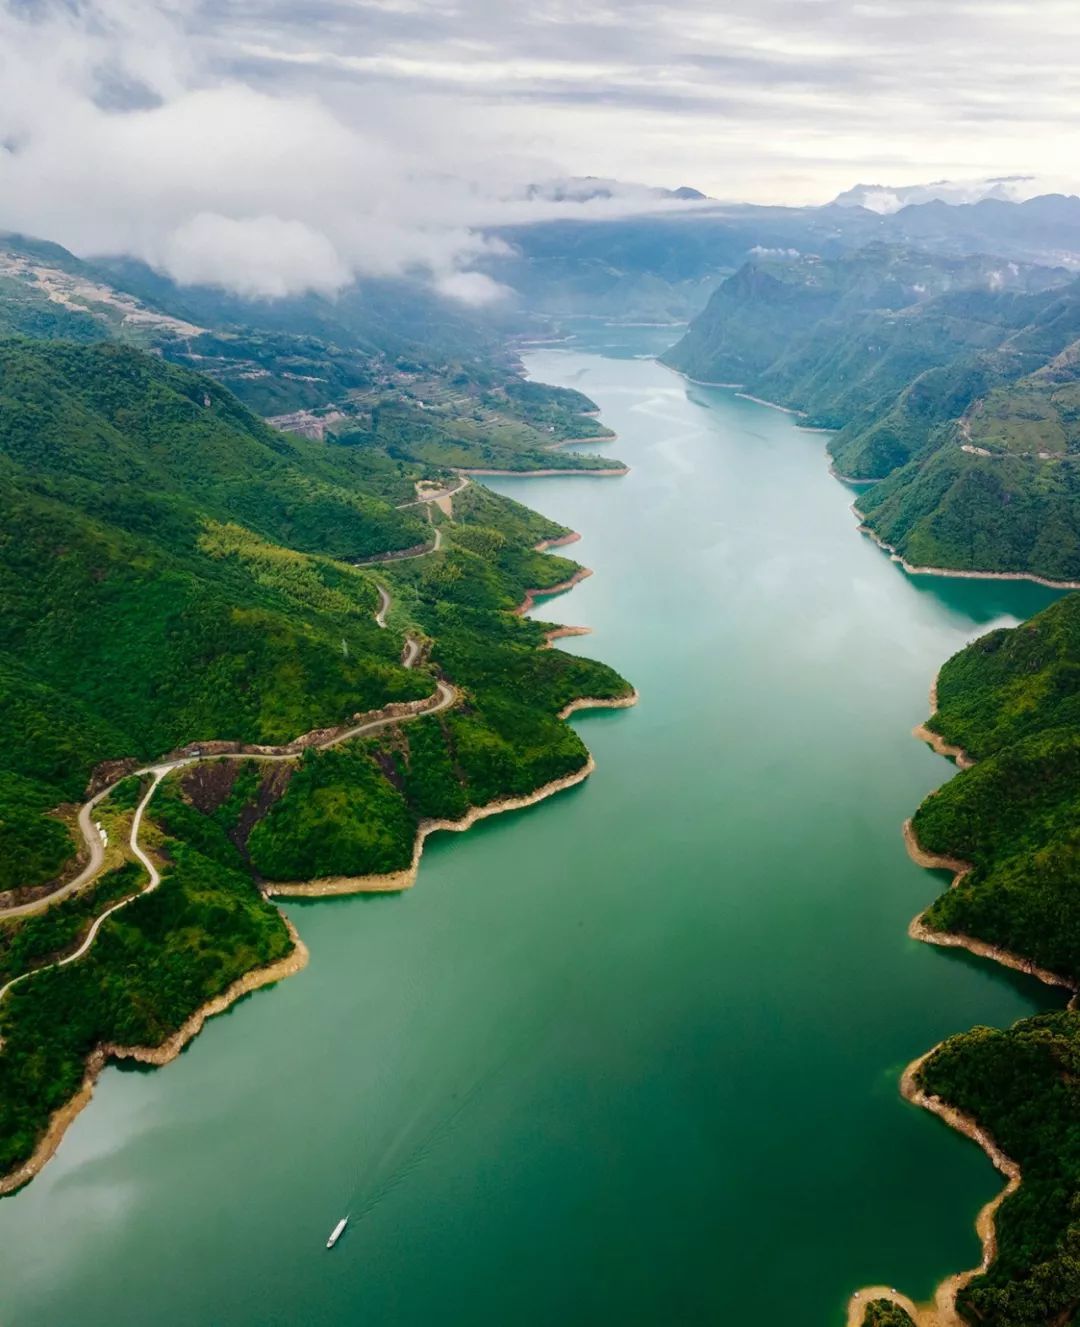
(739, 389)
(918, 929)
(529, 602)
(844, 479)
(935, 741)
(560, 541)
(775, 405)
(395, 882)
(62, 1118)
(558, 633)
(699, 382)
(941, 1311)
(954, 571)
(603, 473)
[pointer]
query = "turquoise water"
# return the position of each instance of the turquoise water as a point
(630, 1056)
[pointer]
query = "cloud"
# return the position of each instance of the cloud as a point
(123, 132)
(275, 146)
(475, 288)
(258, 256)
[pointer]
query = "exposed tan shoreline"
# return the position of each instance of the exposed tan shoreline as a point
(936, 741)
(700, 382)
(560, 542)
(607, 472)
(918, 929)
(156, 1055)
(952, 571)
(941, 1311)
(531, 596)
(557, 633)
(773, 405)
(393, 882)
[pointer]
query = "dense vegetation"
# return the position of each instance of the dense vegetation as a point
(490, 434)
(953, 383)
(153, 964)
(169, 572)
(32, 942)
(826, 333)
(355, 811)
(1013, 683)
(173, 570)
(884, 1313)
(1002, 514)
(1021, 1084)
(33, 844)
(1012, 699)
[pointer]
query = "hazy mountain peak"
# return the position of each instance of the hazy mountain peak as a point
(885, 199)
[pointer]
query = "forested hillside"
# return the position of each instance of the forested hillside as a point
(1012, 700)
(173, 572)
(389, 367)
(951, 383)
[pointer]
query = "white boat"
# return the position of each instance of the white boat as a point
(336, 1233)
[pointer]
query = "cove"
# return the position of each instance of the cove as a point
(631, 1055)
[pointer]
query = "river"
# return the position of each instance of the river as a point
(632, 1055)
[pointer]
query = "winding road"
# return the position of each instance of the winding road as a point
(93, 839)
(442, 698)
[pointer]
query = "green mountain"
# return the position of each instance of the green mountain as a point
(1012, 699)
(952, 383)
(174, 571)
(813, 330)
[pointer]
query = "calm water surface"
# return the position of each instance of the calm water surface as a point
(630, 1056)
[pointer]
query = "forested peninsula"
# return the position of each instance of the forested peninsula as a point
(270, 658)
(1005, 828)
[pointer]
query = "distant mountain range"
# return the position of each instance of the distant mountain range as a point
(662, 266)
(891, 198)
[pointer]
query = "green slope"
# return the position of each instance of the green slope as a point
(953, 384)
(173, 570)
(975, 513)
(1012, 699)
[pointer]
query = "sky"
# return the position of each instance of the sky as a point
(279, 145)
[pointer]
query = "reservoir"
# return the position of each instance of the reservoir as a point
(630, 1056)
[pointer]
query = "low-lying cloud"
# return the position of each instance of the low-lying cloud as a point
(274, 146)
(120, 134)
(255, 256)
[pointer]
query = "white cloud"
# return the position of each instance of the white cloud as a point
(263, 190)
(273, 145)
(475, 288)
(257, 256)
